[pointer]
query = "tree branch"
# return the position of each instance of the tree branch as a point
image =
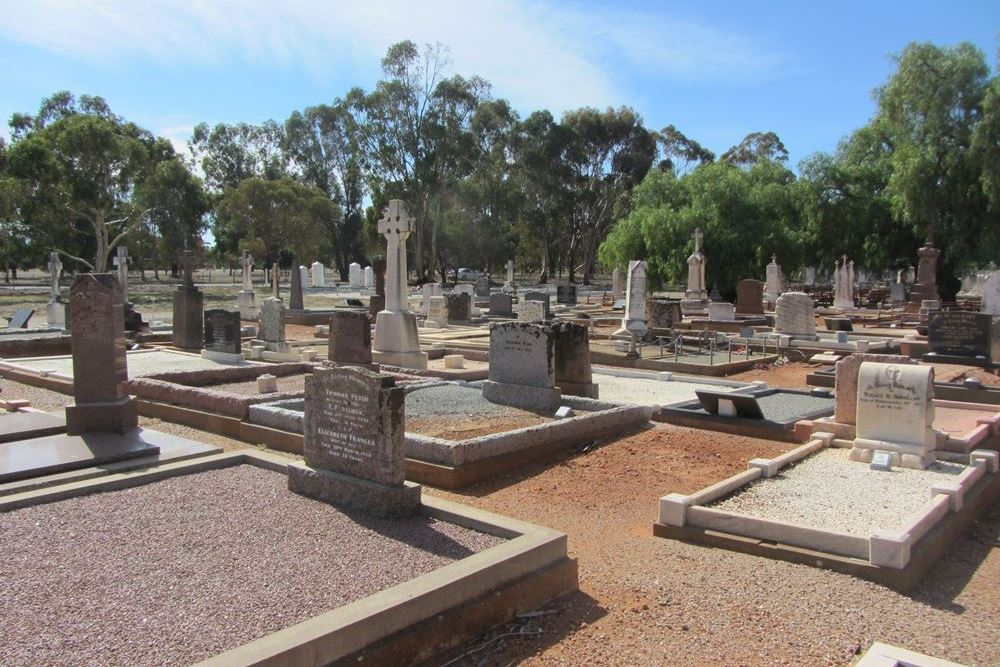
(75, 258)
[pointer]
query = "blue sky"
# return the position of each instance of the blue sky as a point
(716, 70)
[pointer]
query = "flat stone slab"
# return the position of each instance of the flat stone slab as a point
(24, 425)
(58, 453)
(140, 363)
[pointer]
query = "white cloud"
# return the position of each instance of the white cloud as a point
(537, 54)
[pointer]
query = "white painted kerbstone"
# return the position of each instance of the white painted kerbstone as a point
(454, 361)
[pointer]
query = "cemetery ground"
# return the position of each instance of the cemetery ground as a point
(645, 600)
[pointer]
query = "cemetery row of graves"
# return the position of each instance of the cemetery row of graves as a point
(308, 476)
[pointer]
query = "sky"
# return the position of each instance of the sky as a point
(715, 70)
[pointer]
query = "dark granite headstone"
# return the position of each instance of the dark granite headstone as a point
(353, 443)
(459, 307)
(838, 324)
(501, 304)
(295, 296)
(376, 304)
(745, 405)
(188, 312)
(566, 294)
(539, 296)
(222, 331)
(958, 333)
(99, 362)
(573, 374)
(350, 338)
(20, 318)
(378, 266)
(750, 297)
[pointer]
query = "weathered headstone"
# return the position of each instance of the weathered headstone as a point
(368, 278)
(247, 298)
(222, 336)
(271, 325)
(55, 310)
(354, 274)
(501, 304)
(318, 272)
(483, 286)
(437, 313)
(663, 313)
(350, 338)
(295, 296)
(750, 297)
(617, 285)
(720, 311)
(809, 276)
(895, 413)
(509, 285)
(99, 362)
(843, 278)
(429, 290)
(188, 308)
(634, 321)
(458, 306)
(522, 367)
(276, 281)
(531, 311)
(959, 335)
(846, 382)
(566, 295)
(573, 374)
(396, 341)
(353, 443)
(794, 315)
(544, 298)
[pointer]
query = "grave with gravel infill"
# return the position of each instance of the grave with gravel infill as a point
(455, 437)
(658, 389)
(223, 563)
(814, 505)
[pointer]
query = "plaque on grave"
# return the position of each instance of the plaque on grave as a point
(222, 331)
(353, 443)
(566, 294)
(957, 333)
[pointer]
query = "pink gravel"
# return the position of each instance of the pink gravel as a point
(177, 571)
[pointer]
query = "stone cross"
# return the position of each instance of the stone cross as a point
(121, 263)
(396, 226)
(698, 236)
(187, 262)
(247, 265)
(55, 266)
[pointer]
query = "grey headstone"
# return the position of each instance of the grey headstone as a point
(222, 331)
(20, 318)
(566, 294)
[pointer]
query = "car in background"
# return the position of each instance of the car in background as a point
(469, 275)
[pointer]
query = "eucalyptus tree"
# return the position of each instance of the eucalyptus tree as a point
(231, 153)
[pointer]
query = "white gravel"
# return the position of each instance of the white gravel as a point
(176, 571)
(140, 362)
(829, 491)
(639, 391)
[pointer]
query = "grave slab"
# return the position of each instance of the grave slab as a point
(59, 453)
(25, 425)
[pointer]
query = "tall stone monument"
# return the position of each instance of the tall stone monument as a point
(396, 340)
(56, 308)
(696, 297)
(188, 309)
(247, 298)
(843, 284)
(353, 443)
(99, 361)
(925, 288)
(634, 322)
(775, 283)
(295, 296)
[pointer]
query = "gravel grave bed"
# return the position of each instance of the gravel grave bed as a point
(179, 570)
(455, 412)
(140, 363)
(829, 491)
(639, 391)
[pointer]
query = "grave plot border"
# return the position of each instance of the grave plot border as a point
(798, 430)
(945, 391)
(453, 464)
(407, 623)
(667, 376)
(896, 559)
(716, 370)
(193, 389)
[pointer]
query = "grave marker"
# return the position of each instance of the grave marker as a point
(501, 304)
(573, 373)
(750, 297)
(566, 295)
(353, 443)
(188, 308)
(222, 336)
(960, 335)
(522, 367)
(55, 310)
(247, 298)
(350, 338)
(794, 315)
